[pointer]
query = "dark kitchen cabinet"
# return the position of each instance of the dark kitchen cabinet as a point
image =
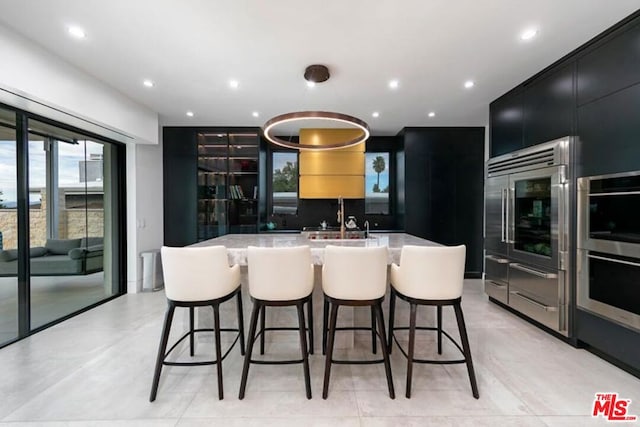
(443, 188)
(505, 123)
(180, 186)
(613, 64)
(549, 106)
(609, 133)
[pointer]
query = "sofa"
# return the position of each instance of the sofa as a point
(58, 257)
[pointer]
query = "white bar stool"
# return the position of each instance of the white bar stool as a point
(430, 276)
(280, 277)
(197, 277)
(355, 276)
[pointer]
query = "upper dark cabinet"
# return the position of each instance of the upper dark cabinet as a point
(548, 106)
(612, 66)
(506, 123)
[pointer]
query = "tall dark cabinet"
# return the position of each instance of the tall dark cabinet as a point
(442, 194)
(211, 183)
(593, 93)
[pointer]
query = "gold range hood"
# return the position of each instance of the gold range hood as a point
(328, 174)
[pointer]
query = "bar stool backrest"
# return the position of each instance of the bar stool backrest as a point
(352, 273)
(280, 274)
(198, 273)
(430, 272)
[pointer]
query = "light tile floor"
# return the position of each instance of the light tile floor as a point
(96, 370)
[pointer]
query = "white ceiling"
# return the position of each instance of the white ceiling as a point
(192, 48)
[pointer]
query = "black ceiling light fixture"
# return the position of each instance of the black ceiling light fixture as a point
(316, 73)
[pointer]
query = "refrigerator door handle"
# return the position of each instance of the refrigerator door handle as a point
(503, 197)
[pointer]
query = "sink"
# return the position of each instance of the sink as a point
(332, 233)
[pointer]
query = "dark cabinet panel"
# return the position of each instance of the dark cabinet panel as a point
(180, 186)
(609, 338)
(610, 67)
(609, 132)
(549, 106)
(444, 187)
(505, 123)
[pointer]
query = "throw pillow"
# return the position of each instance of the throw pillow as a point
(61, 246)
(9, 255)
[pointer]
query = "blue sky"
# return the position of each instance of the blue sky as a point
(69, 156)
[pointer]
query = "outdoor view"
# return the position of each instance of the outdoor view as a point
(376, 183)
(285, 183)
(67, 198)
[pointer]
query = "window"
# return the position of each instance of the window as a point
(376, 181)
(284, 185)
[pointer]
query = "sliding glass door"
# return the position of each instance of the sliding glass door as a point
(73, 227)
(8, 228)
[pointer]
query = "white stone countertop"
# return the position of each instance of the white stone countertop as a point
(237, 244)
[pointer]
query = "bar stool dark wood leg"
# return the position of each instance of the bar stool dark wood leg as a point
(247, 357)
(374, 335)
(304, 349)
(240, 321)
(216, 325)
(263, 315)
(162, 348)
(412, 345)
(310, 316)
(191, 333)
(325, 322)
(392, 317)
(329, 356)
(466, 349)
(439, 326)
(385, 350)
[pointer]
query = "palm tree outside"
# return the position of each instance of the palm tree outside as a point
(378, 166)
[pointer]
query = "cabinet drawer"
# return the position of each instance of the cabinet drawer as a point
(539, 311)
(538, 284)
(497, 290)
(496, 268)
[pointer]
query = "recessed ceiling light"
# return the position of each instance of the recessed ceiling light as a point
(148, 83)
(233, 84)
(77, 32)
(469, 84)
(375, 114)
(393, 84)
(311, 84)
(255, 114)
(190, 113)
(432, 114)
(528, 34)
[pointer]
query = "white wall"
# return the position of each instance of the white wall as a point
(37, 81)
(32, 73)
(144, 208)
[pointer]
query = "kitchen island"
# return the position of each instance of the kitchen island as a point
(237, 244)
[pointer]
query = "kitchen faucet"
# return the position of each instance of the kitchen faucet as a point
(366, 226)
(341, 216)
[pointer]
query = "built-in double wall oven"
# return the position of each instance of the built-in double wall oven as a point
(527, 231)
(609, 247)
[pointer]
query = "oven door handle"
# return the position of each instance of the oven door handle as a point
(619, 261)
(497, 259)
(535, 272)
(533, 302)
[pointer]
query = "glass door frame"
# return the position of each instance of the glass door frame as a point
(23, 235)
(558, 216)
